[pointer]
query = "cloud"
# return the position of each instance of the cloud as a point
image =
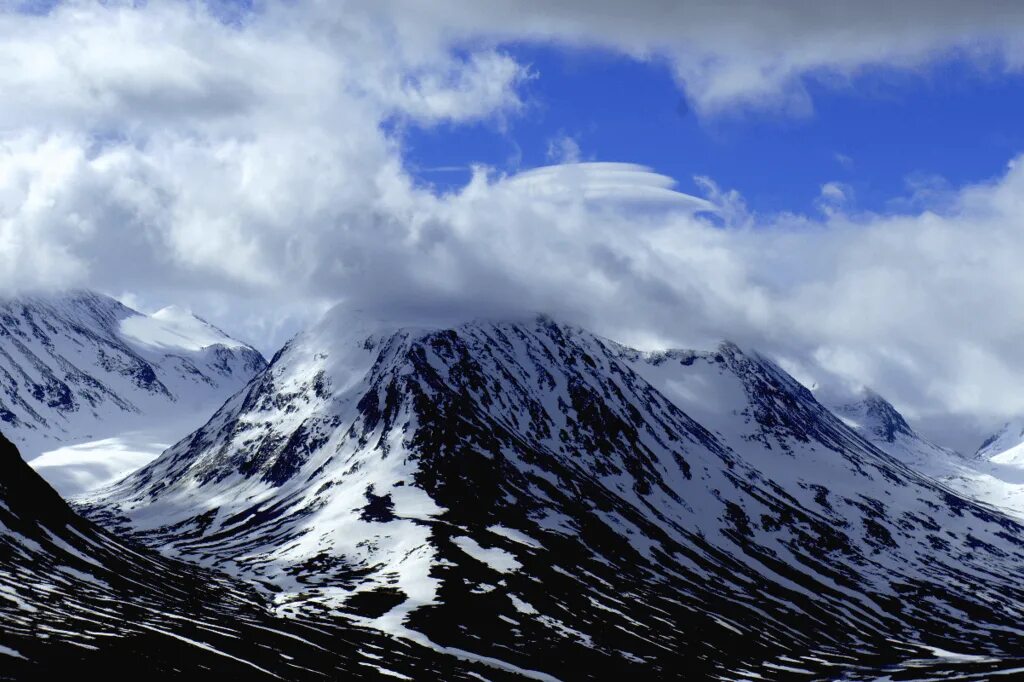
(251, 169)
(834, 192)
(833, 196)
(750, 53)
(599, 182)
(563, 149)
(844, 160)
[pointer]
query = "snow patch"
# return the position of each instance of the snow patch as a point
(497, 559)
(77, 469)
(177, 329)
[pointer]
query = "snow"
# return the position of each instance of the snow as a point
(727, 626)
(385, 671)
(175, 328)
(522, 606)
(7, 592)
(1007, 438)
(206, 647)
(951, 656)
(83, 368)
(497, 559)
(515, 536)
(6, 651)
(994, 476)
(325, 383)
(420, 638)
(76, 469)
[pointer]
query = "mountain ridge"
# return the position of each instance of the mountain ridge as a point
(402, 476)
(70, 372)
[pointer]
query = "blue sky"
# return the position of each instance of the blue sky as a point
(882, 133)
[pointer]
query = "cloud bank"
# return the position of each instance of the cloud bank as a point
(253, 168)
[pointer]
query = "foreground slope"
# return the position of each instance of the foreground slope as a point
(76, 600)
(539, 497)
(80, 365)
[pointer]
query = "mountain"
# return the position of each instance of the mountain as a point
(875, 418)
(538, 498)
(81, 366)
(1009, 437)
(76, 601)
(995, 479)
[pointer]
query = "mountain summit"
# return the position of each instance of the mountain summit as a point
(534, 496)
(1004, 443)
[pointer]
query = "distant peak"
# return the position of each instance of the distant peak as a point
(868, 410)
(175, 327)
(1009, 436)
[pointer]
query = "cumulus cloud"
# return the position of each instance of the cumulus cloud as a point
(833, 196)
(245, 168)
(752, 53)
(563, 149)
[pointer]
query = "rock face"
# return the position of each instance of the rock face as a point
(77, 601)
(80, 366)
(532, 495)
(877, 418)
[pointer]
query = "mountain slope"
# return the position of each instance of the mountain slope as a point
(996, 479)
(536, 495)
(81, 366)
(76, 600)
(1009, 437)
(875, 418)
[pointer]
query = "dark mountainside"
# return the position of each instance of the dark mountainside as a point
(77, 601)
(557, 503)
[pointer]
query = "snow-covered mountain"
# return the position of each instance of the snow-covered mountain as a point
(81, 366)
(995, 478)
(875, 418)
(1009, 437)
(538, 498)
(77, 602)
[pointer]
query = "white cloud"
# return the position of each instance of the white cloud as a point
(833, 196)
(750, 53)
(600, 182)
(245, 170)
(834, 192)
(844, 160)
(563, 149)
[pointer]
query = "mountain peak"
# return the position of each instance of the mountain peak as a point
(175, 328)
(81, 366)
(174, 312)
(882, 418)
(867, 412)
(535, 474)
(1009, 437)
(347, 320)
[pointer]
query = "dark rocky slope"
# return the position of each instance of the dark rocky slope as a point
(531, 494)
